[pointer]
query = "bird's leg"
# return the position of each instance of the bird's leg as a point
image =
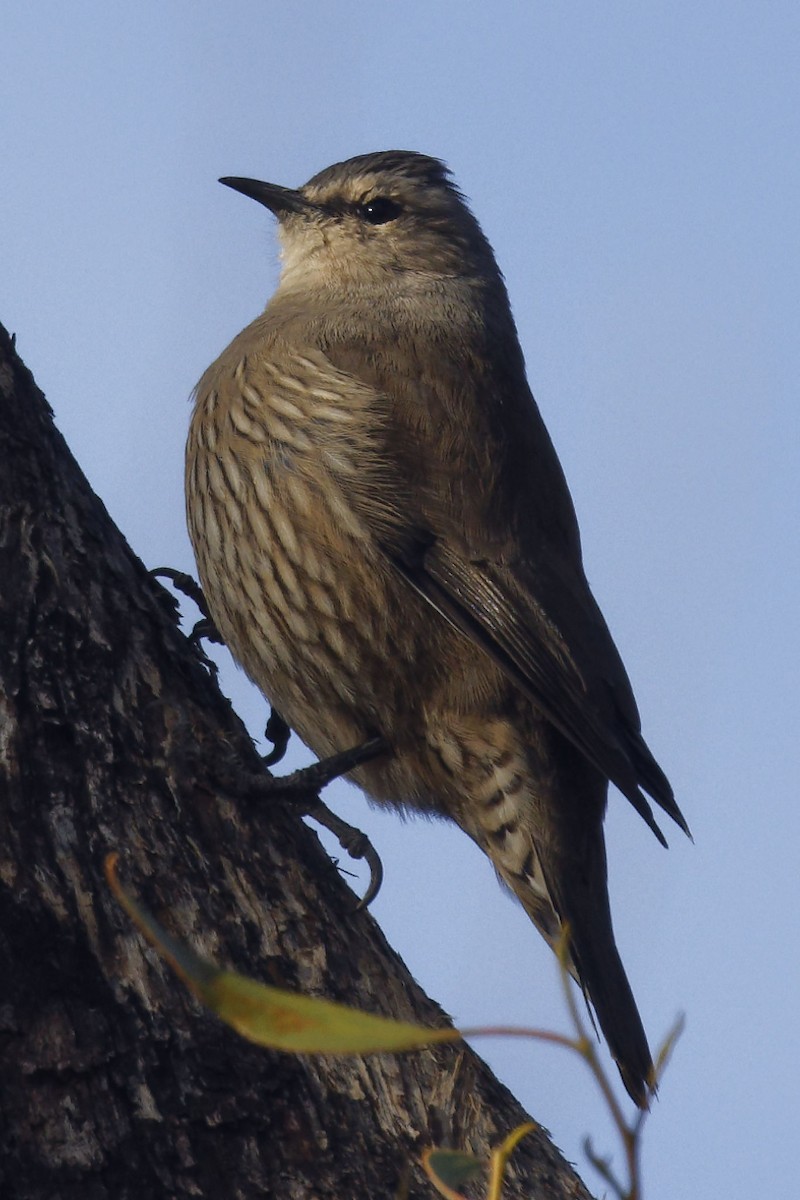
(301, 785)
(301, 789)
(308, 780)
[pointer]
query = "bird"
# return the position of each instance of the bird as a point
(388, 546)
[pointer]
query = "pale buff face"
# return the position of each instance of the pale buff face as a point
(429, 230)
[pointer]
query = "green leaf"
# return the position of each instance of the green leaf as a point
(271, 1016)
(448, 1169)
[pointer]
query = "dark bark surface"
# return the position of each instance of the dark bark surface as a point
(113, 1082)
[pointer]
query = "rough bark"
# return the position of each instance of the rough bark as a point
(113, 1083)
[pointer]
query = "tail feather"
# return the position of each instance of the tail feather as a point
(605, 982)
(581, 908)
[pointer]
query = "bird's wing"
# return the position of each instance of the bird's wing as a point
(501, 563)
(542, 644)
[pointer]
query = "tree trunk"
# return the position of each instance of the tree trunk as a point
(113, 1082)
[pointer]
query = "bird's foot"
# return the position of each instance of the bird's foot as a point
(184, 583)
(301, 789)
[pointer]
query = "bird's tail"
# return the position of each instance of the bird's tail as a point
(547, 845)
(579, 912)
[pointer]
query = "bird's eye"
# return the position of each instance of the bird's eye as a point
(380, 210)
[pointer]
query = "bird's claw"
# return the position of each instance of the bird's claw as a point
(278, 733)
(184, 583)
(205, 627)
(355, 843)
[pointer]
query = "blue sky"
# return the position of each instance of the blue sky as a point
(636, 168)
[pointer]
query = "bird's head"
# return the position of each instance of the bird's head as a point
(372, 218)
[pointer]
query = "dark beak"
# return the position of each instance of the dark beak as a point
(279, 200)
